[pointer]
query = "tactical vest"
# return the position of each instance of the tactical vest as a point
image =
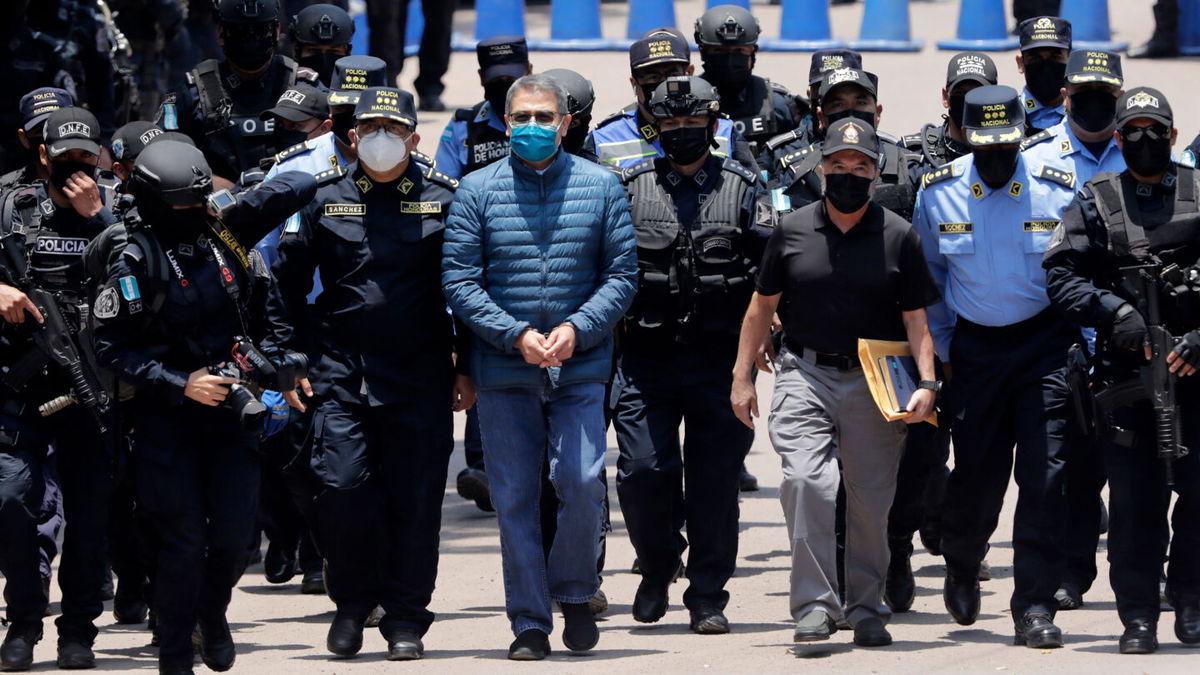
(760, 126)
(233, 129)
(893, 189)
(935, 145)
(485, 144)
(692, 280)
(54, 262)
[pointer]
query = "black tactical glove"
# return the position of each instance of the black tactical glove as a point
(1188, 348)
(1128, 329)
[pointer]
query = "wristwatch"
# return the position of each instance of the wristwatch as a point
(933, 385)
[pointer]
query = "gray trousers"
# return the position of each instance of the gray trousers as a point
(819, 414)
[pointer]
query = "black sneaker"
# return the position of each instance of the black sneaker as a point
(75, 655)
(707, 620)
(579, 632)
(530, 645)
(472, 484)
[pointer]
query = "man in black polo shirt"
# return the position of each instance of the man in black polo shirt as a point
(837, 270)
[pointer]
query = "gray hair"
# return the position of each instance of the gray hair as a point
(538, 82)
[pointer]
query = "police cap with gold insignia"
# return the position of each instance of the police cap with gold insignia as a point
(851, 133)
(847, 76)
(661, 45)
(970, 67)
(1045, 31)
(352, 75)
(1091, 65)
(825, 60)
(1144, 102)
(37, 105)
(387, 103)
(993, 115)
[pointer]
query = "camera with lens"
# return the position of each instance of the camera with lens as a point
(256, 372)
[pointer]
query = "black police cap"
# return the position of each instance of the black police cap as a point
(322, 25)
(504, 56)
(580, 95)
(1144, 102)
(848, 76)
(851, 133)
(1045, 31)
(387, 103)
(1092, 65)
(683, 97)
(38, 104)
(970, 67)
(352, 75)
(71, 129)
(298, 103)
(727, 26)
(825, 60)
(993, 115)
(247, 11)
(129, 140)
(661, 45)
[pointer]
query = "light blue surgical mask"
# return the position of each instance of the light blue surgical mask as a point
(534, 142)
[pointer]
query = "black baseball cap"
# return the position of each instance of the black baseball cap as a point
(661, 45)
(1144, 102)
(825, 60)
(388, 103)
(842, 76)
(352, 75)
(1089, 65)
(504, 56)
(993, 115)
(970, 67)
(129, 141)
(300, 102)
(851, 133)
(37, 105)
(1045, 31)
(72, 129)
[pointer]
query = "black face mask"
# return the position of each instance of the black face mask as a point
(1044, 79)
(957, 105)
(573, 141)
(1147, 157)
(728, 71)
(685, 144)
(289, 138)
(996, 165)
(496, 94)
(249, 49)
(322, 62)
(1093, 109)
(62, 169)
(343, 122)
(648, 92)
(847, 192)
(189, 223)
(868, 117)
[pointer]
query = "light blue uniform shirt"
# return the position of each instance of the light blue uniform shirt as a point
(984, 246)
(619, 143)
(1038, 115)
(322, 155)
(451, 158)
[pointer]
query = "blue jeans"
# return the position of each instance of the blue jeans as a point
(522, 429)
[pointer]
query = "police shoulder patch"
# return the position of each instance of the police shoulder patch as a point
(795, 157)
(1063, 178)
(782, 139)
(441, 179)
(329, 175)
(636, 170)
(293, 151)
(939, 175)
(1040, 137)
(423, 158)
(107, 304)
(735, 167)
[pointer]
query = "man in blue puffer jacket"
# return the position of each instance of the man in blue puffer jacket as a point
(540, 263)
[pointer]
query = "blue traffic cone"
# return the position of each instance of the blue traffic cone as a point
(494, 18)
(574, 26)
(739, 3)
(885, 28)
(981, 27)
(359, 44)
(646, 15)
(803, 27)
(414, 27)
(1089, 25)
(1189, 27)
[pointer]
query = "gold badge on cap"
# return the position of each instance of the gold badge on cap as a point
(1141, 100)
(850, 134)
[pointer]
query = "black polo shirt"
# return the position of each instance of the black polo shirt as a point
(840, 287)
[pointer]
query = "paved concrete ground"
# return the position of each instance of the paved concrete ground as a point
(278, 630)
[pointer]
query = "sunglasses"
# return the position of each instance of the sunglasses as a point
(1155, 132)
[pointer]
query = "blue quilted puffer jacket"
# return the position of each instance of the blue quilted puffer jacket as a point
(524, 249)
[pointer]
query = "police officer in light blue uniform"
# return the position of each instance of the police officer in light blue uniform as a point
(985, 219)
(477, 136)
(1083, 143)
(630, 136)
(1045, 43)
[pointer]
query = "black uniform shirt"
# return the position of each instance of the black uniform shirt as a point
(839, 287)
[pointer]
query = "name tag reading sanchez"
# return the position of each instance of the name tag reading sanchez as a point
(345, 209)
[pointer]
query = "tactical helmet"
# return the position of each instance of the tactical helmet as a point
(726, 26)
(172, 173)
(684, 96)
(322, 25)
(580, 95)
(247, 11)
